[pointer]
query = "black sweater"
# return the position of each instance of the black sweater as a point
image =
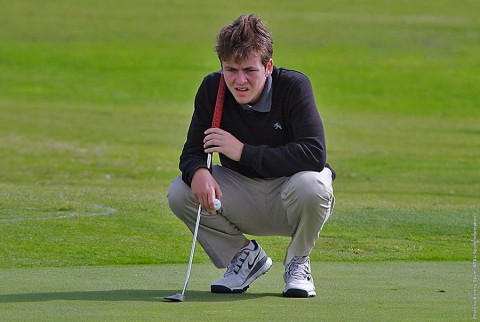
(288, 139)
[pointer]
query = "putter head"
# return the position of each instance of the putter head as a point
(175, 298)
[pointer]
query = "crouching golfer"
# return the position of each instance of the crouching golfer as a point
(273, 179)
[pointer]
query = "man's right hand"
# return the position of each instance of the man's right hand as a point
(205, 189)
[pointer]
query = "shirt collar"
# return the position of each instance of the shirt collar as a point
(264, 104)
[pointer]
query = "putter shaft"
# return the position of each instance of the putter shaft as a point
(192, 250)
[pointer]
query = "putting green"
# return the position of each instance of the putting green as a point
(403, 291)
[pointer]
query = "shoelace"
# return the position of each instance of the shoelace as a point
(234, 263)
(299, 268)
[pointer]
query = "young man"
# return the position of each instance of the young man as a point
(274, 179)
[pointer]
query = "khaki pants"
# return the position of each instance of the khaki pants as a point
(296, 206)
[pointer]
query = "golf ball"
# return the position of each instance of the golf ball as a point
(218, 204)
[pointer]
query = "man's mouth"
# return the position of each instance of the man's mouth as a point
(241, 89)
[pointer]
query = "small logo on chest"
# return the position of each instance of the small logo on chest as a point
(277, 126)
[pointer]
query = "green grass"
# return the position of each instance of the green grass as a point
(384, 291)
(96, 97)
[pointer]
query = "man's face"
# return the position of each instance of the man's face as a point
(246, 79)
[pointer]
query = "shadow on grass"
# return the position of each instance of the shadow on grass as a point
(130, 295)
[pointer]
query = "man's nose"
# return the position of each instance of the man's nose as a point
(241, 77)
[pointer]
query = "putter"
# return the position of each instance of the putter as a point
(180, 297)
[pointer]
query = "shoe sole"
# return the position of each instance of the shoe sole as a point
(299, 293)
(265, 264)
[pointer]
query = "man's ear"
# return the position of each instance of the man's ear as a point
(269, 68)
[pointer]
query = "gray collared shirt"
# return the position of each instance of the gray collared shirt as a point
(264, 104)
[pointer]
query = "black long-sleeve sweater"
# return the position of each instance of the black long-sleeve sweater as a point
(288, 139)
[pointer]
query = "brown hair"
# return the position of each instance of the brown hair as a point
(245, 35)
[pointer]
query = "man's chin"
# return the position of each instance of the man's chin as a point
(242, 100)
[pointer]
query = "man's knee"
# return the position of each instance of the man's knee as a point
(179, 195)
(309, 187)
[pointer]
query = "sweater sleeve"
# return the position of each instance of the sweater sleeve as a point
(305, 149)
(193, 156)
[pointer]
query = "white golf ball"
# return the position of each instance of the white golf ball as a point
(218, 204)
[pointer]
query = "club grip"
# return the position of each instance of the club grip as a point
(217, 113)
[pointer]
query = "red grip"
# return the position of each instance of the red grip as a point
(217, 113)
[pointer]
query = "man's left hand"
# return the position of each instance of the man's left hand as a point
(218, 140)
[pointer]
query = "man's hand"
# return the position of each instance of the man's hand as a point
(218, 140)
(205, 189)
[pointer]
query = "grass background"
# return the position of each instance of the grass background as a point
(360, 291)
(96, 97)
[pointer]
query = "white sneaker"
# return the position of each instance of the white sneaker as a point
(298, 279)
(246, 266)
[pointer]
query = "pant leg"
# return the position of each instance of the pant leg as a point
(253, 205)
(218, 237)
(308, 200)
(297, 206)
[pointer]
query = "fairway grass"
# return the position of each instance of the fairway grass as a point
(388, 291)
(95, 101)
(74, 178)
